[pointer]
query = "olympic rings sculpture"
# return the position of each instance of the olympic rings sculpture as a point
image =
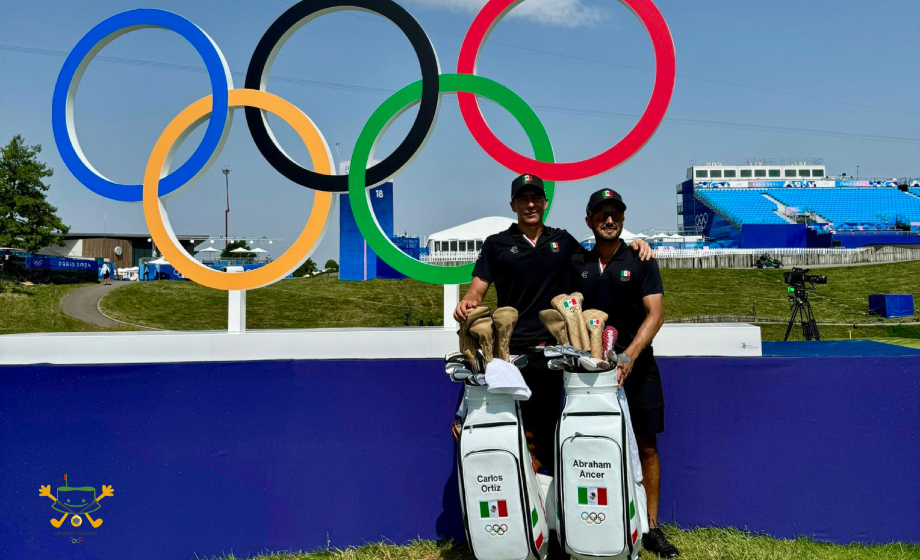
(160, 181)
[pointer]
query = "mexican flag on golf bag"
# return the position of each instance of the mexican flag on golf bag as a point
(602, 507)
(503, 504)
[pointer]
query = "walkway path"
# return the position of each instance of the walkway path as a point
(83, 304)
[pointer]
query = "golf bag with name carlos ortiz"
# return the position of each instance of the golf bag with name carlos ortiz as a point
(502, 500)
(602, 510)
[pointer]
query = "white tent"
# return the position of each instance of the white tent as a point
(158, 261)
(469, 236)
(258, 250)
(477, 229)
(241, 250)
(209, 250)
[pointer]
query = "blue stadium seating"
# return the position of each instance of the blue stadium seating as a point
(741, 206)
(883, 206)
(866, 208)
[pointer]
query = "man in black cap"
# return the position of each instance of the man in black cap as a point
(630, 291)
(528, 263)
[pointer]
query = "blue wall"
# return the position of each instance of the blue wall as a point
(763, 236)
(353, 249)
(211, 458)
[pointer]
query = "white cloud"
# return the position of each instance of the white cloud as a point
(565, 13)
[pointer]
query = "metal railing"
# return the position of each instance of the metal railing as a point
(450, 256)
(666, 252)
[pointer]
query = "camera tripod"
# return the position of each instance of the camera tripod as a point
(801, 313)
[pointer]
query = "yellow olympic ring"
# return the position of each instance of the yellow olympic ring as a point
(158, 166)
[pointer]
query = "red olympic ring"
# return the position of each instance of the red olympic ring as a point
(665, 65)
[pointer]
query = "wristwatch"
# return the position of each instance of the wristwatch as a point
(623, 358)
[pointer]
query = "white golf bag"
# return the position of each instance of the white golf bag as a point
(503, 505)
(601, 503)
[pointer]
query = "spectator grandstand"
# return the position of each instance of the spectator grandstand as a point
(742, 206)
(785, 201)
(880, 207)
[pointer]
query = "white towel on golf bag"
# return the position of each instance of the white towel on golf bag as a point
(504, 378)
(633, 446)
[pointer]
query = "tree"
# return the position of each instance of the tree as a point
(27, 220)
(226, 254)
(308, 268)
(331, 265)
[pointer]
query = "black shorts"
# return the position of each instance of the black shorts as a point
(540, 413)
(645, 396)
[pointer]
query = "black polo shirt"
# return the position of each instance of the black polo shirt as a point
(527, 277)
(618, 290)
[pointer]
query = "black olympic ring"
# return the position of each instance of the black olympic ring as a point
(293, 19)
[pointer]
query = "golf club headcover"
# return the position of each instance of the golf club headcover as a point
(569, 305)
(610, 338)
(503, 321)
(594, 320)
(481, 329)
(468, 342)
(555, 324)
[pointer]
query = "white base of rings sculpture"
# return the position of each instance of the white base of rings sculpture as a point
(161, 181)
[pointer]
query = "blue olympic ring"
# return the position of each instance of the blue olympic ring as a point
(65, 91)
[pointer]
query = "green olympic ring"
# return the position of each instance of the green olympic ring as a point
(378, 123)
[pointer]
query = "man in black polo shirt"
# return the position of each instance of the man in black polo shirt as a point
(630, 291)
(528, 264)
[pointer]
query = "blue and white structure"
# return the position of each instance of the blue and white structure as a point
(760, 204)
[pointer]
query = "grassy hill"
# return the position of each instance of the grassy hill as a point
(25, 308)
(327, 302)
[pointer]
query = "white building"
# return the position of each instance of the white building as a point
(461, 244)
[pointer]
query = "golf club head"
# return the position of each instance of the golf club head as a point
(460, 374)
(556, 364)
(593, 364)
(552, 351)
(449, 369)
(480, 361)
(611, 357)
(453, 357)
(475, 379)
(571, 352)
(519, 362)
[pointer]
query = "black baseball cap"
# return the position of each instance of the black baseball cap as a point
(602, 196)
(527, 180)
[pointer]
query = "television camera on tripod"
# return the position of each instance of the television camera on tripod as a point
(799, 283)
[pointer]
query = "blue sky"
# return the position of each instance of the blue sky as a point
(836, 80)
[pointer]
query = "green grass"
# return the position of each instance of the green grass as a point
(328, 302)
(26, 309)
(700, 544)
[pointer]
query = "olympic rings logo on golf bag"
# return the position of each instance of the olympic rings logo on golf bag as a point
(496, 530)
(160, 181)
(592, 518)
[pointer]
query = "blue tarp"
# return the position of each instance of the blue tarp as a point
(891, 305)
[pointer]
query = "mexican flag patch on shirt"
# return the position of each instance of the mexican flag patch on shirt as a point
(592, 496)
(495, 508)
